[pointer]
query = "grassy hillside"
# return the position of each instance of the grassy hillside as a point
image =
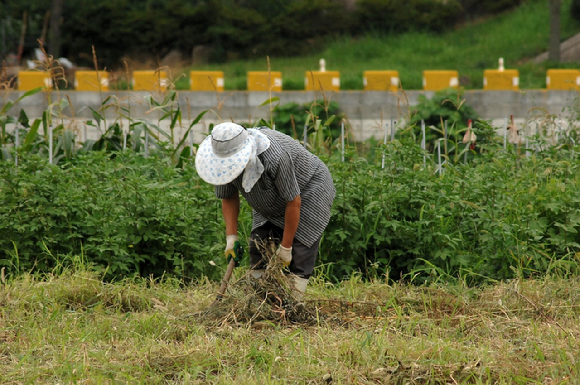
(516, 36)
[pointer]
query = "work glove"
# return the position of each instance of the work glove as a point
(234, 249)
(285, 254)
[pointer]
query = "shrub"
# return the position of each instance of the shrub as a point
(126, 216)
(477, 8)
(290, 118)
(575, 9)
(445, 105)
(403, 15)
(502, 216)
(302, 27)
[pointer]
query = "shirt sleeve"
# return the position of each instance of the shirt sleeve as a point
(285, 180)
(225, 191)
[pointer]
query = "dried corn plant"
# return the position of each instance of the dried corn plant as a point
(51, 66)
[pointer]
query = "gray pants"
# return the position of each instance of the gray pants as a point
(303, 257)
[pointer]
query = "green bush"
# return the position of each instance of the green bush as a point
(126, 28)
(575, 9)
(477, 8)
(494, 214)
(302, 26)
(128, 215)
(445, 105)
(404, 15)
(233, 29)
(501, 216)
(290, 118)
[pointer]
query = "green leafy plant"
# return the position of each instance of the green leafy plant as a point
(291, 118)
(446, 110)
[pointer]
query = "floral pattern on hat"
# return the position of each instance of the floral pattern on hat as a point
(222, 170)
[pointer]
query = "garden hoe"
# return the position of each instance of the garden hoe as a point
(234, 257)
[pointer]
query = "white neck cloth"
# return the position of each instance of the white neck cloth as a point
(255, 168)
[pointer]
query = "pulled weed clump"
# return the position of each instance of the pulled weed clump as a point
(272, 300)
(259, 301)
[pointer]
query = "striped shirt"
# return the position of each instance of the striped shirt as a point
(289, 170)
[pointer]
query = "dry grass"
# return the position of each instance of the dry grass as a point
(262, 302)
(73, 328)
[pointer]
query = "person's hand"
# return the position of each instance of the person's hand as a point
(233, 249)
(285, 254)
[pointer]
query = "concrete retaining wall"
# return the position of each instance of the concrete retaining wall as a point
(367, 111)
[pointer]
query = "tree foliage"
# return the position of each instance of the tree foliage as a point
(230, 28)
(575, 9)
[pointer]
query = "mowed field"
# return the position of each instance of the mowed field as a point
(72, 328)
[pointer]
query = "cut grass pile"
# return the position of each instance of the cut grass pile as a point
(73, 328)
(255, 302)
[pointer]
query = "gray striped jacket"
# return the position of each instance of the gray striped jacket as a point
(289, 170)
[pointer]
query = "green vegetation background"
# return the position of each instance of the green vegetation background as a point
(517, 35)
(291, 37)
(503, 215)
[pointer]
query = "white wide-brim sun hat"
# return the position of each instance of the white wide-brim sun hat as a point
(224, 154)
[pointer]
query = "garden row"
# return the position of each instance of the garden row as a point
(427, 203)
(502, 215)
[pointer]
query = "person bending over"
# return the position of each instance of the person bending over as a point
(289, 189)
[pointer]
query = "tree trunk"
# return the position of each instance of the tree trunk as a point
(555, 26)
(55, 21)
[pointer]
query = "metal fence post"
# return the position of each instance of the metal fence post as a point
(190, 143)
(146, 144)
(439, 156)
(342, 138)
(423, 146)
(384, 145)
(16, 144)
(445, 136)
(505, 133)
(49, 144)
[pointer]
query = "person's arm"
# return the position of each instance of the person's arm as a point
(231, 211)
(291, 220)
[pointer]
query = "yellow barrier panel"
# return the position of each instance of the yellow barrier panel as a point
(264, 81)
(322, 81)
(435, 80)
(501, 80)
(92, 81)
(564, 79)
(149, 81)
(206, 81)
(381, 80)
(28, 80)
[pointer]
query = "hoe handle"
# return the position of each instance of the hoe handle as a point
(226, 279)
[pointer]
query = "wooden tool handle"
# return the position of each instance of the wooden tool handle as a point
(226, 279)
